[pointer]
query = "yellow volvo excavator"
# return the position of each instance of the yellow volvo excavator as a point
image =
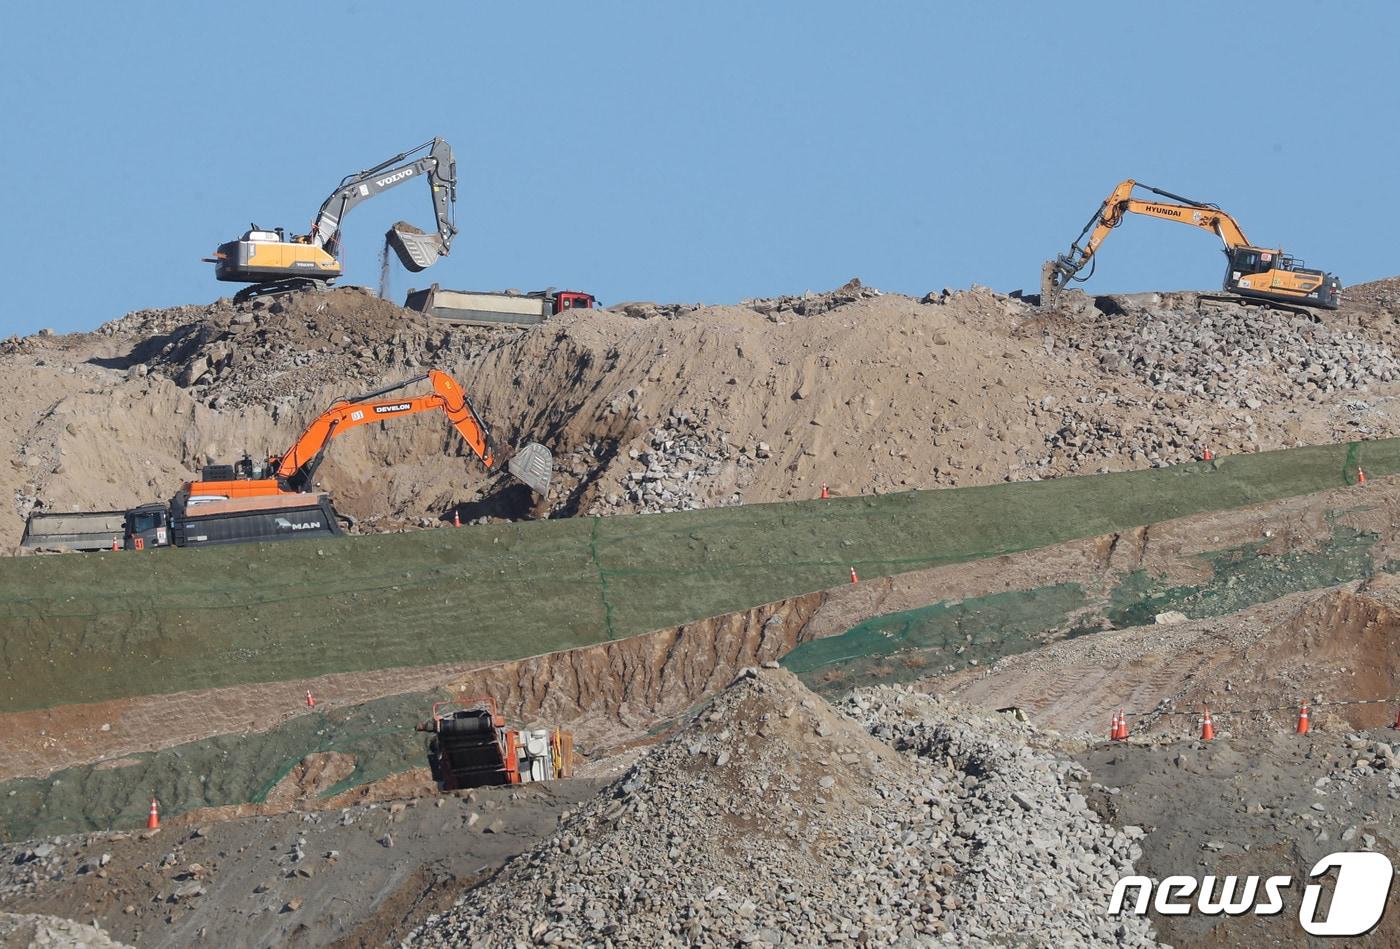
(272, 263)
(1254, 272)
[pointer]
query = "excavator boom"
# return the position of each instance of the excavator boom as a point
(416, 251)
(1259, 272)
(297, 465)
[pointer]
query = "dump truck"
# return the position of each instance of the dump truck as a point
(477, 308)
(471, 746)
(202, 522)
(78, 530)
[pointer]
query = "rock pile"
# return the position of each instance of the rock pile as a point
(1238, 356)
(678, 469)
(1030, 854)
(813, 304)
(773, 820)
(278, 349)
(52, 932)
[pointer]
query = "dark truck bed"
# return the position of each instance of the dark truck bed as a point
(78, 530)
(250, 520)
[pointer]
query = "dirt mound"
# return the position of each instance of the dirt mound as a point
(768, 790)
(652, 407)
(276, 351)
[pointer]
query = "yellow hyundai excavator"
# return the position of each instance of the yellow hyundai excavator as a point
(273, 264)
(1253, 272)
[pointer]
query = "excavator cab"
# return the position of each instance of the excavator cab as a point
(1265, 274)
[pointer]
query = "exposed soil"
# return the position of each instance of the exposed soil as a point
(652, 407)
(355, 875)
(1333, 649)
(649, 407)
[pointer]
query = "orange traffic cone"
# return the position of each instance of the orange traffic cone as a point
(456, 518)
(854, 578)
(1207, 727)
(1206, 455)
(1122, 725)
(115, 545)
(826, 494)
(1303, 724)
(153, 820)
(1113, 728)
(1360, 476)
(1397, 719)
(310, 700)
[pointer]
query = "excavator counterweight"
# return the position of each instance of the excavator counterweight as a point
(1254, 272)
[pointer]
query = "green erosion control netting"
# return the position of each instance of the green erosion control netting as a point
(900, 647)
(106, 626)
(896, 647)
(229, 769)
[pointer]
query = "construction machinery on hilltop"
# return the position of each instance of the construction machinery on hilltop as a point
(1252, 272)
(470, 746)
(272, 263)
(276, 499)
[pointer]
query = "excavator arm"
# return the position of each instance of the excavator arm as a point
(294, 471)
(296, 467)
(416, 251)
(1059, 272)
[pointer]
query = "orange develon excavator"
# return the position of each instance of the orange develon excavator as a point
(294, 470)
(257, 501)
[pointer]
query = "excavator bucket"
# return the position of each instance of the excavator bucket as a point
(533, 466)
(416, 250)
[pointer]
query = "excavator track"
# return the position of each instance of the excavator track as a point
(274, 288)
(1241, 300)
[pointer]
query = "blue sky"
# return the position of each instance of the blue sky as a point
(692, 152)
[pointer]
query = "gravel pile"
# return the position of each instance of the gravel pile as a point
(813, 304)
(771, 819)
(678, 468)
(1030, 854)
(52, 932)
(1238, 356)
(1087, 436)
